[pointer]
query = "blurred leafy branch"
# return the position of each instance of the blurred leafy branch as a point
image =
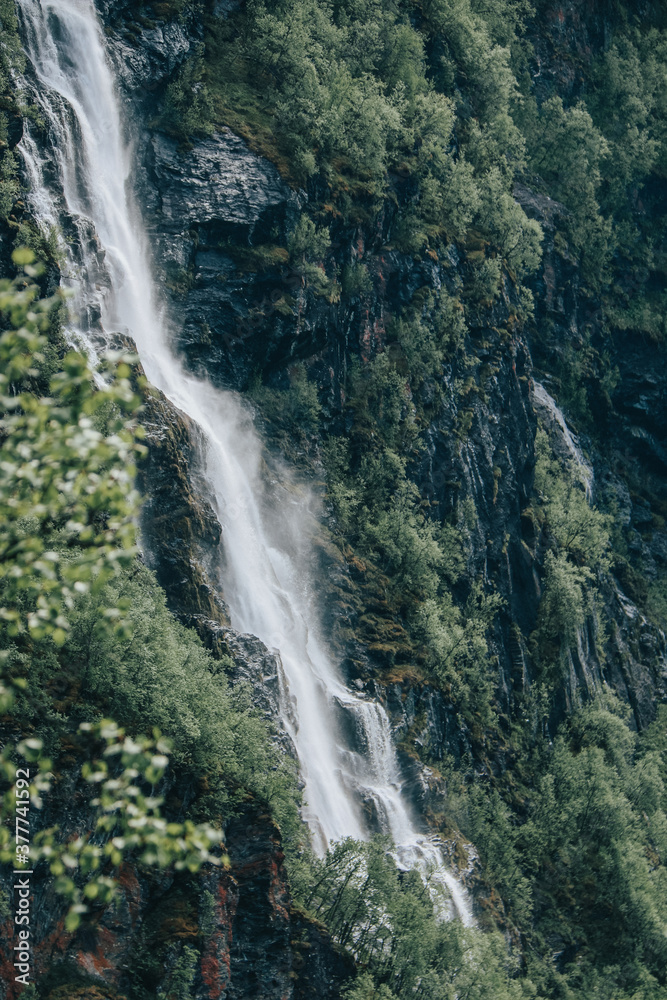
(67, 510)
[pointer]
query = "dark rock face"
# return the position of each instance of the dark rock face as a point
(218, 181)
(205, 203)
(637, 657)
(200, 204)
(163, 49)
(634, 419)
(641, 399)
(492, 464)
(236, 926)
(179, 527)
(252, 664)
(143, 68)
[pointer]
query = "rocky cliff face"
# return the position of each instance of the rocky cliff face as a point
(201, 205)
(237, 314)
(178, 525)
(229, 933)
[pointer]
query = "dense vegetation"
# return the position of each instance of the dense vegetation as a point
(581, 868)
(430, 109)
(11, 59)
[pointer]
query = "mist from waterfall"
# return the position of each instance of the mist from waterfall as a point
(84, 180)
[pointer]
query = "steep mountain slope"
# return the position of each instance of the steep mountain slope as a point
(426, 242)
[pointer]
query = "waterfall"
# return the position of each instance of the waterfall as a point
(554, 417)
(84, 180)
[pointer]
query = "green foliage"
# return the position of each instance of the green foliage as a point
(181, 978)
(66, 498)
(307, 247)
(386, 920)
(493, 828)
(564, 606)
(307, 242)
(517, 237)
(578, 530)
(380, 513)
(458, 651)
(597, 809)
(657, 600)
(645, 315)
(292, 414)
(10, 186)
(357, 886)
(12, 61)
(47, 246)
(598, 155)
(419, 104)
(586, 837)
(629, 101)
(186, 109)
(356, 280)
(256, 258)
(428, 335)
(162, 676)
(125, 818)
(11, 52)
(365, 988)
(463, 50)
(587, 378)
(449, 202)
(578, 535)
(376, 506)
(67, 547)
(174, 9)
(325, 101)
(382, 406)
(403, 542)
(568, 151)
(156, 674)
(483, 284)
(357, 91)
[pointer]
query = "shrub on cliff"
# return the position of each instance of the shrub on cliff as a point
(66, 497)
(356, 92)
(12, 61)
(385, 917)
(578, 537)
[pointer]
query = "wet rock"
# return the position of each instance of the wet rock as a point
(200, 204)
(14, 129)
(254, 665)
(179, 528)
(163, 49)
(564, 443)
(238, 924)
(219, 180)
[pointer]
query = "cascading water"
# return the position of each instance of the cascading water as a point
(264, 571)
(548, 405)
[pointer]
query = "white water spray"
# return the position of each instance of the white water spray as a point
(264, 571)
